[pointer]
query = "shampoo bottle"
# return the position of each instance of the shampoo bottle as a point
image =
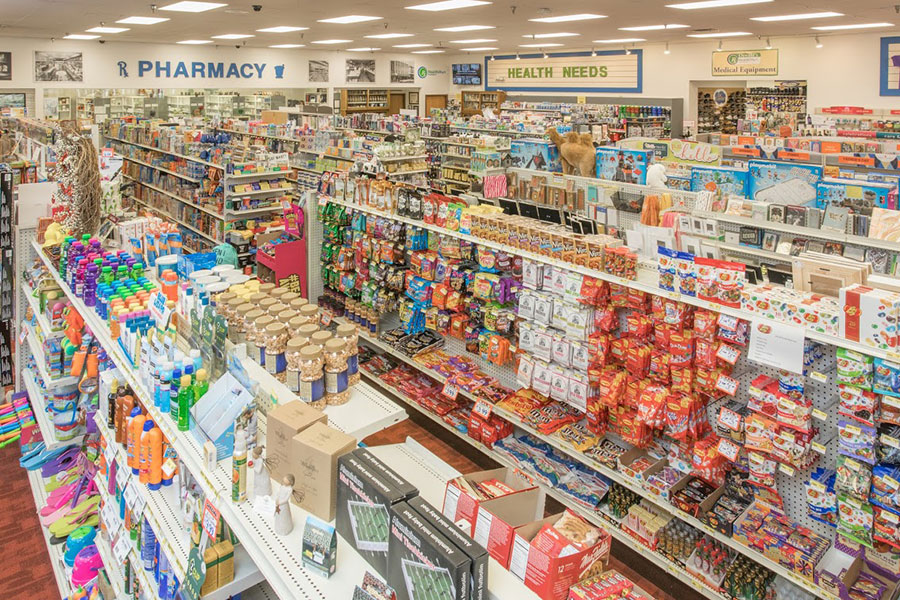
(173, 394)
(136, 429)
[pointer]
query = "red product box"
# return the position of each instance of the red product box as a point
(499, 518)
(462, 508)
(548, 575)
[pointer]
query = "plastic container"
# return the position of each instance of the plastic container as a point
(310, 312)
(289, 297)
(165, 262)
(266, 288)
(348, 333)
(279, 292)
(298, 303)
(276, 338)
(292, 359)
(265, 303)
(312, 376)
(337, 388)
(257, 336)
(247, 328)
(274, 309)
(236, 328)
(286, 316)
(236, 279)
(319, 338)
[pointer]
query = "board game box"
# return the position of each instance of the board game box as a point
(859, 196)
(721, 181)
(783, 183)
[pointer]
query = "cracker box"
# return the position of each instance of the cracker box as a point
(783, 183)
(499, 518)
(621, 164)
(478, 579)
(537, 154)
(423, 563)
(551, 574)
(461, 507)
(364, 499)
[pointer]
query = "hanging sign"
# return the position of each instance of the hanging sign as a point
(759, 63)
(608, 71)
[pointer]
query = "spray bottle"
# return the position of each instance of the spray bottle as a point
(135, 430)
(239, 467)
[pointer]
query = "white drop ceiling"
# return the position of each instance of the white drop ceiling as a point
(56, 18)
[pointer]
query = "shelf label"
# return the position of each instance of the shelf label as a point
(818, 447)
(786, 469)
(110, 452)
(483, 409)
(23, 334)
(210, 519)
(326, 318)
(728, 449)
(121, 548)
(777, 345)
(818, 414)
(820, 377)
(130, 494)
(727, 385)
(817, 485)
(450, 390)
(122, 476)
(890, 441)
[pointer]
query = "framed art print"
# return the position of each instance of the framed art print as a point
(889, 66)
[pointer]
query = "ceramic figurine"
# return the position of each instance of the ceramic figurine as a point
(284, 521)
(262, 485)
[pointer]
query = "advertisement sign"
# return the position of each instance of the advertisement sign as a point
(756, 63)
(607, 71)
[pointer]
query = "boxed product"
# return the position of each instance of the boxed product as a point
(423, 563)
(541, 155)
(499, 518)
(621, 164)
(869, 316)
(555, 553)
(283, 423)
(364, 499)
(465, 493)
(858, 196)
(478, 577)
(721, 181)
(783, 183)
(314, 455)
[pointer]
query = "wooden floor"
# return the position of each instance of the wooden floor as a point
(465, 459)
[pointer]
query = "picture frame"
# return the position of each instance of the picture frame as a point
(770, 241)
(889, 67)
(414, 98)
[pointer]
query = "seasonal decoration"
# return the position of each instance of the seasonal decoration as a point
(76, 202)
(576, 152)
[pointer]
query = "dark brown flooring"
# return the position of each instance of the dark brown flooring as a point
(465, 458)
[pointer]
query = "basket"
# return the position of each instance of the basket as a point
(188, 263)
(628, 201)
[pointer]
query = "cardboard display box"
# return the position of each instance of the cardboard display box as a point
(313, 459)
(478, 578)
(364, 499)
(423, 563)
(499, 518)
(551, 576)
(461, 508)
(283, 423)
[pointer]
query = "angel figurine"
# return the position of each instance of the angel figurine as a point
(284, 521)
(262, 485)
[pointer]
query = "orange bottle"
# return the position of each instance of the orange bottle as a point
(144, 451)
(151, 444)
(133, 448)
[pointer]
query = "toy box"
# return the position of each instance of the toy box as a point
(678, 182)
(721, 181)
(858, 196)
(540, 155)
(783, 183)
(620, 164)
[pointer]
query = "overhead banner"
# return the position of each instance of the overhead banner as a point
(609, 71)
(759, 63)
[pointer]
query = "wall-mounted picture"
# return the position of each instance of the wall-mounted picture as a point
(5, 66)
(58, 66)
(890, 66)
(13, 100)
(361, 71)
(402, 72)
(318, 71)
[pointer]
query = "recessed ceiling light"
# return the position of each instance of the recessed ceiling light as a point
(388, 36)
(566, 18)
(540, 36)
(857, 26)
(713, 4)
(349, 19)
(620, 41)
(654, 27)
(798, 17)
(721, 34)
(194, 42)
(460, 28)
(473, 41)
(281, 29)
(288, 46)
(80, 36)
(332, 41)
(479, 48)
(107, 29)
(190, 6)
(362, 49)
(427, 52)
(549, 45)
(142, 20)
(232, 36)
(447, 5)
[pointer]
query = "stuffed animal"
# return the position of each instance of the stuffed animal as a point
(576, 152)
(656, 176)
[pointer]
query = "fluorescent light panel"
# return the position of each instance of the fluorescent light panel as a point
(389, 36)
(479, 48)
(142, 20)
(80, 36)
(721, 34)
(348, 19)
(567, 18)
(548, 45)
(798, 17)
(447, 5)
(620, 41)
(107, 29)
(332, 41)
(541, 36)
(192, 7)
(232, 36)
(427, 52)
(362, 49)
(281, 29)
(713, 4)
(856, 26)
(194, 42)
(473, 41)
(288, 46)
(654, 27)
(412, 46)
(460, 28)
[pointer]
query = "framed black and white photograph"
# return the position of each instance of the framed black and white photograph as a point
(402, 71)
(361, 70)
(414, 97)
(318, 71)
(58, 66)
(5, 66)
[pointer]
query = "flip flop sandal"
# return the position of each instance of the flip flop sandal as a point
(86, 489)
(34, 461)
(62, 496)
(36, 450)
(61, 480)
(61, 462)
(91, 521)
(80, 515)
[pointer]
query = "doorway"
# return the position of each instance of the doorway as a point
(398, 101)
(435, 101)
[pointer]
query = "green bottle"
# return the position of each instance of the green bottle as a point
(185, 397)
(201, 386)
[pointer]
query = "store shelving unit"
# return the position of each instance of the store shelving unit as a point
(41, 416)
(473, 101)
(60, 573)
(357, 100)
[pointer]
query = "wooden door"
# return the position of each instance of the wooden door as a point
(398, 101)
(435, 101)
